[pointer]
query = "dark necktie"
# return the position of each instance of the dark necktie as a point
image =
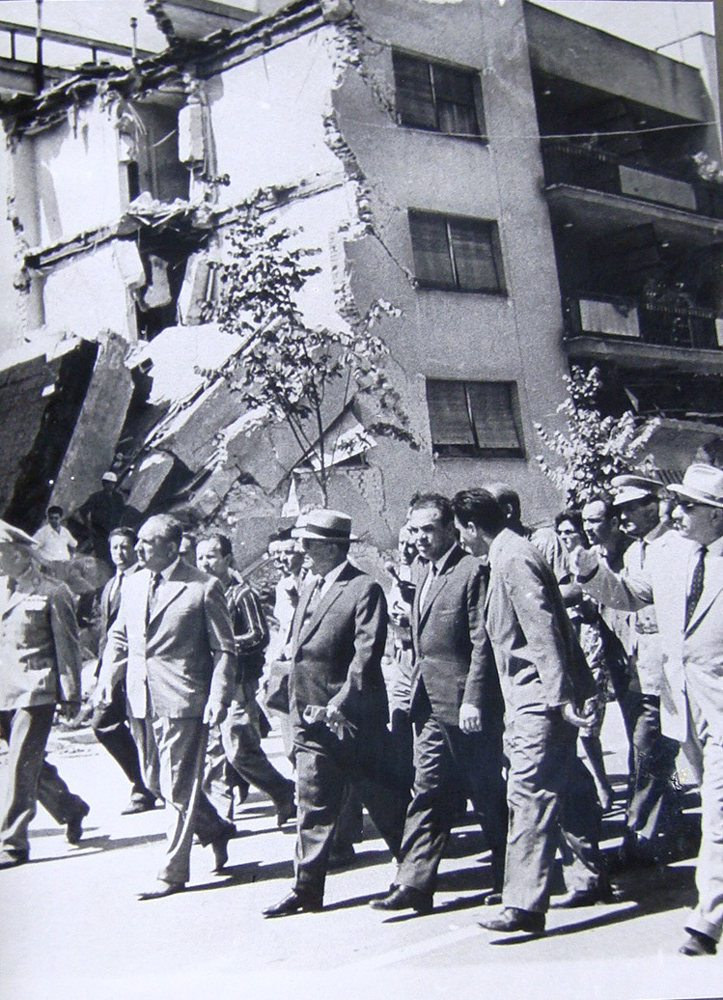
(153, 593)
(696, 587)
(314, 598)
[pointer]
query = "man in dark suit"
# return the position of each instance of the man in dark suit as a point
(173, 642)
(39, 668)
(338, 706)
(547, 687)
(110, 722)
(456, 710)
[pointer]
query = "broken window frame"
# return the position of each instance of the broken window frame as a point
(460, 246)
(430, 102)
(482, 418)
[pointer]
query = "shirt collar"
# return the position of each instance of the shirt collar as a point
(439, 564)
(716, 548)
(169, 570)
(333, 575)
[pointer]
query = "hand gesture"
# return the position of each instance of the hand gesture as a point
(470, 718)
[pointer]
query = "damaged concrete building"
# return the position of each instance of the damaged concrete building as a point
(526, 190)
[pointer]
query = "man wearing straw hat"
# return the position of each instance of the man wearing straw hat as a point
(338, 706)
(684, 583)
(40, 666)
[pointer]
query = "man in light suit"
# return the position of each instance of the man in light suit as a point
(455, 707)
(683, 579)
(39, 668)
(338, 706)
(547, 686)
(173, 642)
(110, 722)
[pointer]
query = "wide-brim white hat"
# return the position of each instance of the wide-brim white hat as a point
(701, 483)
(324, 525)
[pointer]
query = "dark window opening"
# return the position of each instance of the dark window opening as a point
(474, 418)
(456, 253)
(440, 98)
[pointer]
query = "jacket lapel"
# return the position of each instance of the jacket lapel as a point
(169, 591)
(436, 586)
(712, 586)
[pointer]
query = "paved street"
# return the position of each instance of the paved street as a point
(72, 926)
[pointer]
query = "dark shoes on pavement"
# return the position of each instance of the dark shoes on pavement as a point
(286, 812)
(139, 804)
(404, 897)
(162, 889)
(74, 825)
(698, 944)
(296, 902)
(603, 892)
(9, 859)
(219, 847)
(513, 919)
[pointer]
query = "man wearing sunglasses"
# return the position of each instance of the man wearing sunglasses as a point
(683, 579)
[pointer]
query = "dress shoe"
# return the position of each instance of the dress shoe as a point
(8, 859)
(285, 812)
(341, 859)
(74, 825)
(493, 898)
(140, 804)
(295, 902)
(404, 897)
(219, 847)
(603, 892)
(162, 889)
(698, 944)
(514, 919)
(636, 852)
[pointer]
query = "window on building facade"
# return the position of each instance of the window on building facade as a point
(474, 418)
(456, 253)
(441, 98)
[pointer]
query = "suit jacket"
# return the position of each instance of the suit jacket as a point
(337, 650)
(452, 654)
(109, 606)
(692, 654)
(40, 659)
(168, 659)
(538, 655)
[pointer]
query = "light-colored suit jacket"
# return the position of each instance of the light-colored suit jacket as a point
(337, 650)
(168, 657)
(452, 653)
(692, 655)
(538, 655)
(40, 657)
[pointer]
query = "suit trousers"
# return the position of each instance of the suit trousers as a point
(708, 914)
(238, 741)
(173, 752)
(325, 765)
(651, 763)
(552, 804)
(445, 761)
(26, 732)
(110, 725)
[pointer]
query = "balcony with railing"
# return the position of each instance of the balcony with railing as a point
(579, 166)
(645, 327)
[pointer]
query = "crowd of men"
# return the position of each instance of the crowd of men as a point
(482, 677)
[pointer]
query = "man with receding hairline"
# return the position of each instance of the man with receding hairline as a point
(173, 641)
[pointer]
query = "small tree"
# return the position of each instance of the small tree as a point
(593, 448)
(287, 365)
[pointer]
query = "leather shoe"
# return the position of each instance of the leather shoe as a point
(493, 898)
(698, 944)
(514, 919)
(162, 889)
(601, 893)
(295, 902)
(74, 825)
(220, 848)
(404, 897)
(141, 804)
(286, 812)
(10, 860)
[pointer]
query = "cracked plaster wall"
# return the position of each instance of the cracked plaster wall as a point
(86, 294)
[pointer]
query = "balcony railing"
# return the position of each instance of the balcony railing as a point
(647, 321)
(567, 163)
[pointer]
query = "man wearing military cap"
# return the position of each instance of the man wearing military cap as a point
(39, 667)
(683, 579)
(338, 705)
(651, 796)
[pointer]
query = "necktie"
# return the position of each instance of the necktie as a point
(696, 587)
(314, 598)
(431, 576)
(153, 593)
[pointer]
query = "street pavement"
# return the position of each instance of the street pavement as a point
(72, 926)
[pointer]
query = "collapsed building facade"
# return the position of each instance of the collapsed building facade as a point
(525, 190)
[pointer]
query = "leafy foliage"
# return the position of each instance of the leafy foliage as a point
(592, 448)
(287, 365)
